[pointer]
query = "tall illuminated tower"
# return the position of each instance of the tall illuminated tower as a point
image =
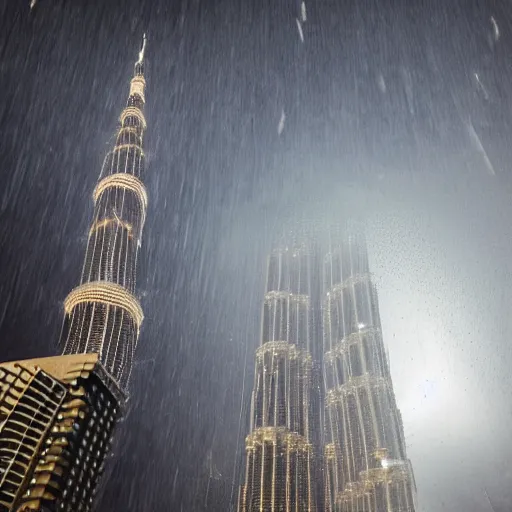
(279, 473)
(57, 414)
(366, 466)
(103, 315)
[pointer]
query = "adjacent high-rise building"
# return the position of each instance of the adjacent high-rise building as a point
(364, 462)
(366, 467)
(57, 414)
(280, 472)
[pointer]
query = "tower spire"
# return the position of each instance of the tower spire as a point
(142, 50)
(103, 314)
(139, 65)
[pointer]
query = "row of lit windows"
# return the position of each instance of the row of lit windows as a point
(361, 423)
(363, 355)
(350, 310)
(107, 330)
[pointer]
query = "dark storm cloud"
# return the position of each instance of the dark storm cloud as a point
(378, 100)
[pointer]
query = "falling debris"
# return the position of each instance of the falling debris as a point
(32, 4)
(299, 26)
(303, 12)
(408, 86)
(213, 471)
(381, 83)
(280, 126)
(214, 474)
(475, 139)
(489, 500)
(481, 86)
(495, 29)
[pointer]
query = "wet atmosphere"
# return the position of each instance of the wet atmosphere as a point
(394, 112)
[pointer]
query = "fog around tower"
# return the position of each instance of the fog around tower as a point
(388, 113)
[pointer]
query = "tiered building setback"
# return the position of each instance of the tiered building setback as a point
(57, 414)
(102, 314)
(279, 464)
(365, 466)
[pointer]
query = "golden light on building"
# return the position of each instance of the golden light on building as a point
(103, 292)
(321, 300)
(279, 471)
(58, 417)
(366, 464)
(58, 414)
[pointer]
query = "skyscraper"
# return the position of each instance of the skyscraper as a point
(367, 469)
(279, 453)
(364, 459)
(57, 414)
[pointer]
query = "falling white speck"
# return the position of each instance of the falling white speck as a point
(495, 29)
(381, 83)
(481, 86)
(475, 139)
(280, 126)
(32, 4)
(303, 12)
(388, 463)
(299, 27)
(408, 85)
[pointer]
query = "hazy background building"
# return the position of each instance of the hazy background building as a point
(280, 472)
(356, 451)
(366, 466)
(439, 237)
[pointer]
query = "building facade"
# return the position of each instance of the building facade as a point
(366, 466)
(279, 473)
(58, 414)
(354, 434)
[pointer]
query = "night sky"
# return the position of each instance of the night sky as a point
(399, 111)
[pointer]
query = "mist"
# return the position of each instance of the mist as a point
(394, 113)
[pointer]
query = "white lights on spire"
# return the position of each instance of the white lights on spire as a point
(141, 53)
